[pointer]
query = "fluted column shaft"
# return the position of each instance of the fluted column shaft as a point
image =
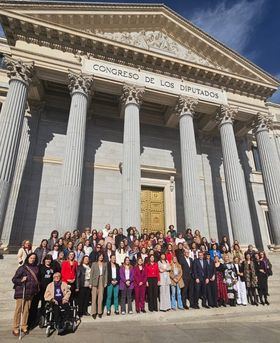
(11, 122)
(131, 170)
(72, 170)
(190, 177)
(270, 165)
(235, 181)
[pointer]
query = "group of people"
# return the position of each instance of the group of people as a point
(109, 269)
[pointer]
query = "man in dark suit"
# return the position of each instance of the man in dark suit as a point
(187, 269)
(200, 272)
(211, 287)
(93, 256)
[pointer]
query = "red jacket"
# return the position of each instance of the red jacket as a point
(152, 270)
(169, 255)
(68, 272)
(140, 276)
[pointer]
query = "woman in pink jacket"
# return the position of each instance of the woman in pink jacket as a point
(140, 279)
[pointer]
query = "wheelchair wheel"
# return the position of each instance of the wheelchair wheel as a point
(42, 322)
(48, 331)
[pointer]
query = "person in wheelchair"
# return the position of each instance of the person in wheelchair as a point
(58, 295)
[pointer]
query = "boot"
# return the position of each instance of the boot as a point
(265, 300)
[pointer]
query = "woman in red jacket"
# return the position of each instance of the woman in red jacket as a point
(140, 279)
(69, 272)
(153, 279)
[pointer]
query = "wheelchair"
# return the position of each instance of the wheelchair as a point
(68, 324)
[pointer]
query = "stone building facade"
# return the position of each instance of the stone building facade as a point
(131, 115)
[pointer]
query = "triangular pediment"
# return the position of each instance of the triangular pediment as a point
(155, 41)
(149, 28)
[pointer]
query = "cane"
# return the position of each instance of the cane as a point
(21, 312)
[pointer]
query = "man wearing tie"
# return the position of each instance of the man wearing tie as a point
(201, 277)
(188, 290)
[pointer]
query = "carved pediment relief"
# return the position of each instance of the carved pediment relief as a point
(156, 41)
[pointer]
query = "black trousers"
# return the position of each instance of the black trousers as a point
(188, 293)
(152, 294)
(211, 291)
(83, 300)
(61, 313)
(200, 292)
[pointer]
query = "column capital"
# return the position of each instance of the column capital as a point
(226, 114)
(262, 122)
(186, 106)
(19, 70)
(79, 83)
(132, 95)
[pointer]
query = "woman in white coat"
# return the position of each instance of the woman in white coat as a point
(164, 270)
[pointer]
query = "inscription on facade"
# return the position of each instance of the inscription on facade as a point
(151, 80)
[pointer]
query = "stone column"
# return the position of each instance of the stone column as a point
(72, 170)
(11, 122)
(190, 176)
(235, 181)
(270, 165)
(131, 170)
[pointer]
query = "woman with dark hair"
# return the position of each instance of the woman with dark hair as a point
(237, 252)
(204, 243)
(193, 251)
(153, 280)
(93, 239)
(98, 281)
(54, 253)
(225, 243)
(189, 236)
(45, 277)
(87, 248)
(113, 285)
(222, 297)
(82, 286)
(164, 285)
(60, 243)
(79, 253)
(42, 251)
(58, 262)
(250, 279)
(197, 236)
(140, 279)
(179, 252)
(262, 276)
(130, 236)
(231, 280)
(171, 228)
(121, 253)
(26, 285)
(52, 240)
(69, 272)
(108, 251)
(240, 284)
(179, 239)
(126, 285)
(66, 238)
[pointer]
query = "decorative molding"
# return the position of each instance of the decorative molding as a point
(79, 83)
(156, 41)
(132, 95)
(263, 122)
(226, 114)
(186, 105)
(18, 70)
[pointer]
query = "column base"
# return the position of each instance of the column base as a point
(274, 248)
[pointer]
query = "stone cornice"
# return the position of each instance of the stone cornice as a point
(65, 39)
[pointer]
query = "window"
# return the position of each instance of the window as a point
(256, 158)
(270, 232)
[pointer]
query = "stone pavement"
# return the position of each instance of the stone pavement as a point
(239, 324)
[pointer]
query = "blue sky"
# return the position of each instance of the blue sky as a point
(251, 27)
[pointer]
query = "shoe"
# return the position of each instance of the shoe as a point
(117, 312)
(15, 333)
(266, 302)
(25, 332)
(100, 316)
(205, 306)
(186, 307)
(130, 312)
(60, 331)
(262, 303)
(94, 316)
(123, 312)
(137, 311)
(224, 305)
(143, 311)
(196, 307)
(108, 313)
(87, 314)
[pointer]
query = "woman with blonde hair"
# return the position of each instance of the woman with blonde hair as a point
(24, 251)
(176, 284)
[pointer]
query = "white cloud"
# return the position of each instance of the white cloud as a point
(232, 25)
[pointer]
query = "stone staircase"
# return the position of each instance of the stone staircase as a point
(9, 264)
